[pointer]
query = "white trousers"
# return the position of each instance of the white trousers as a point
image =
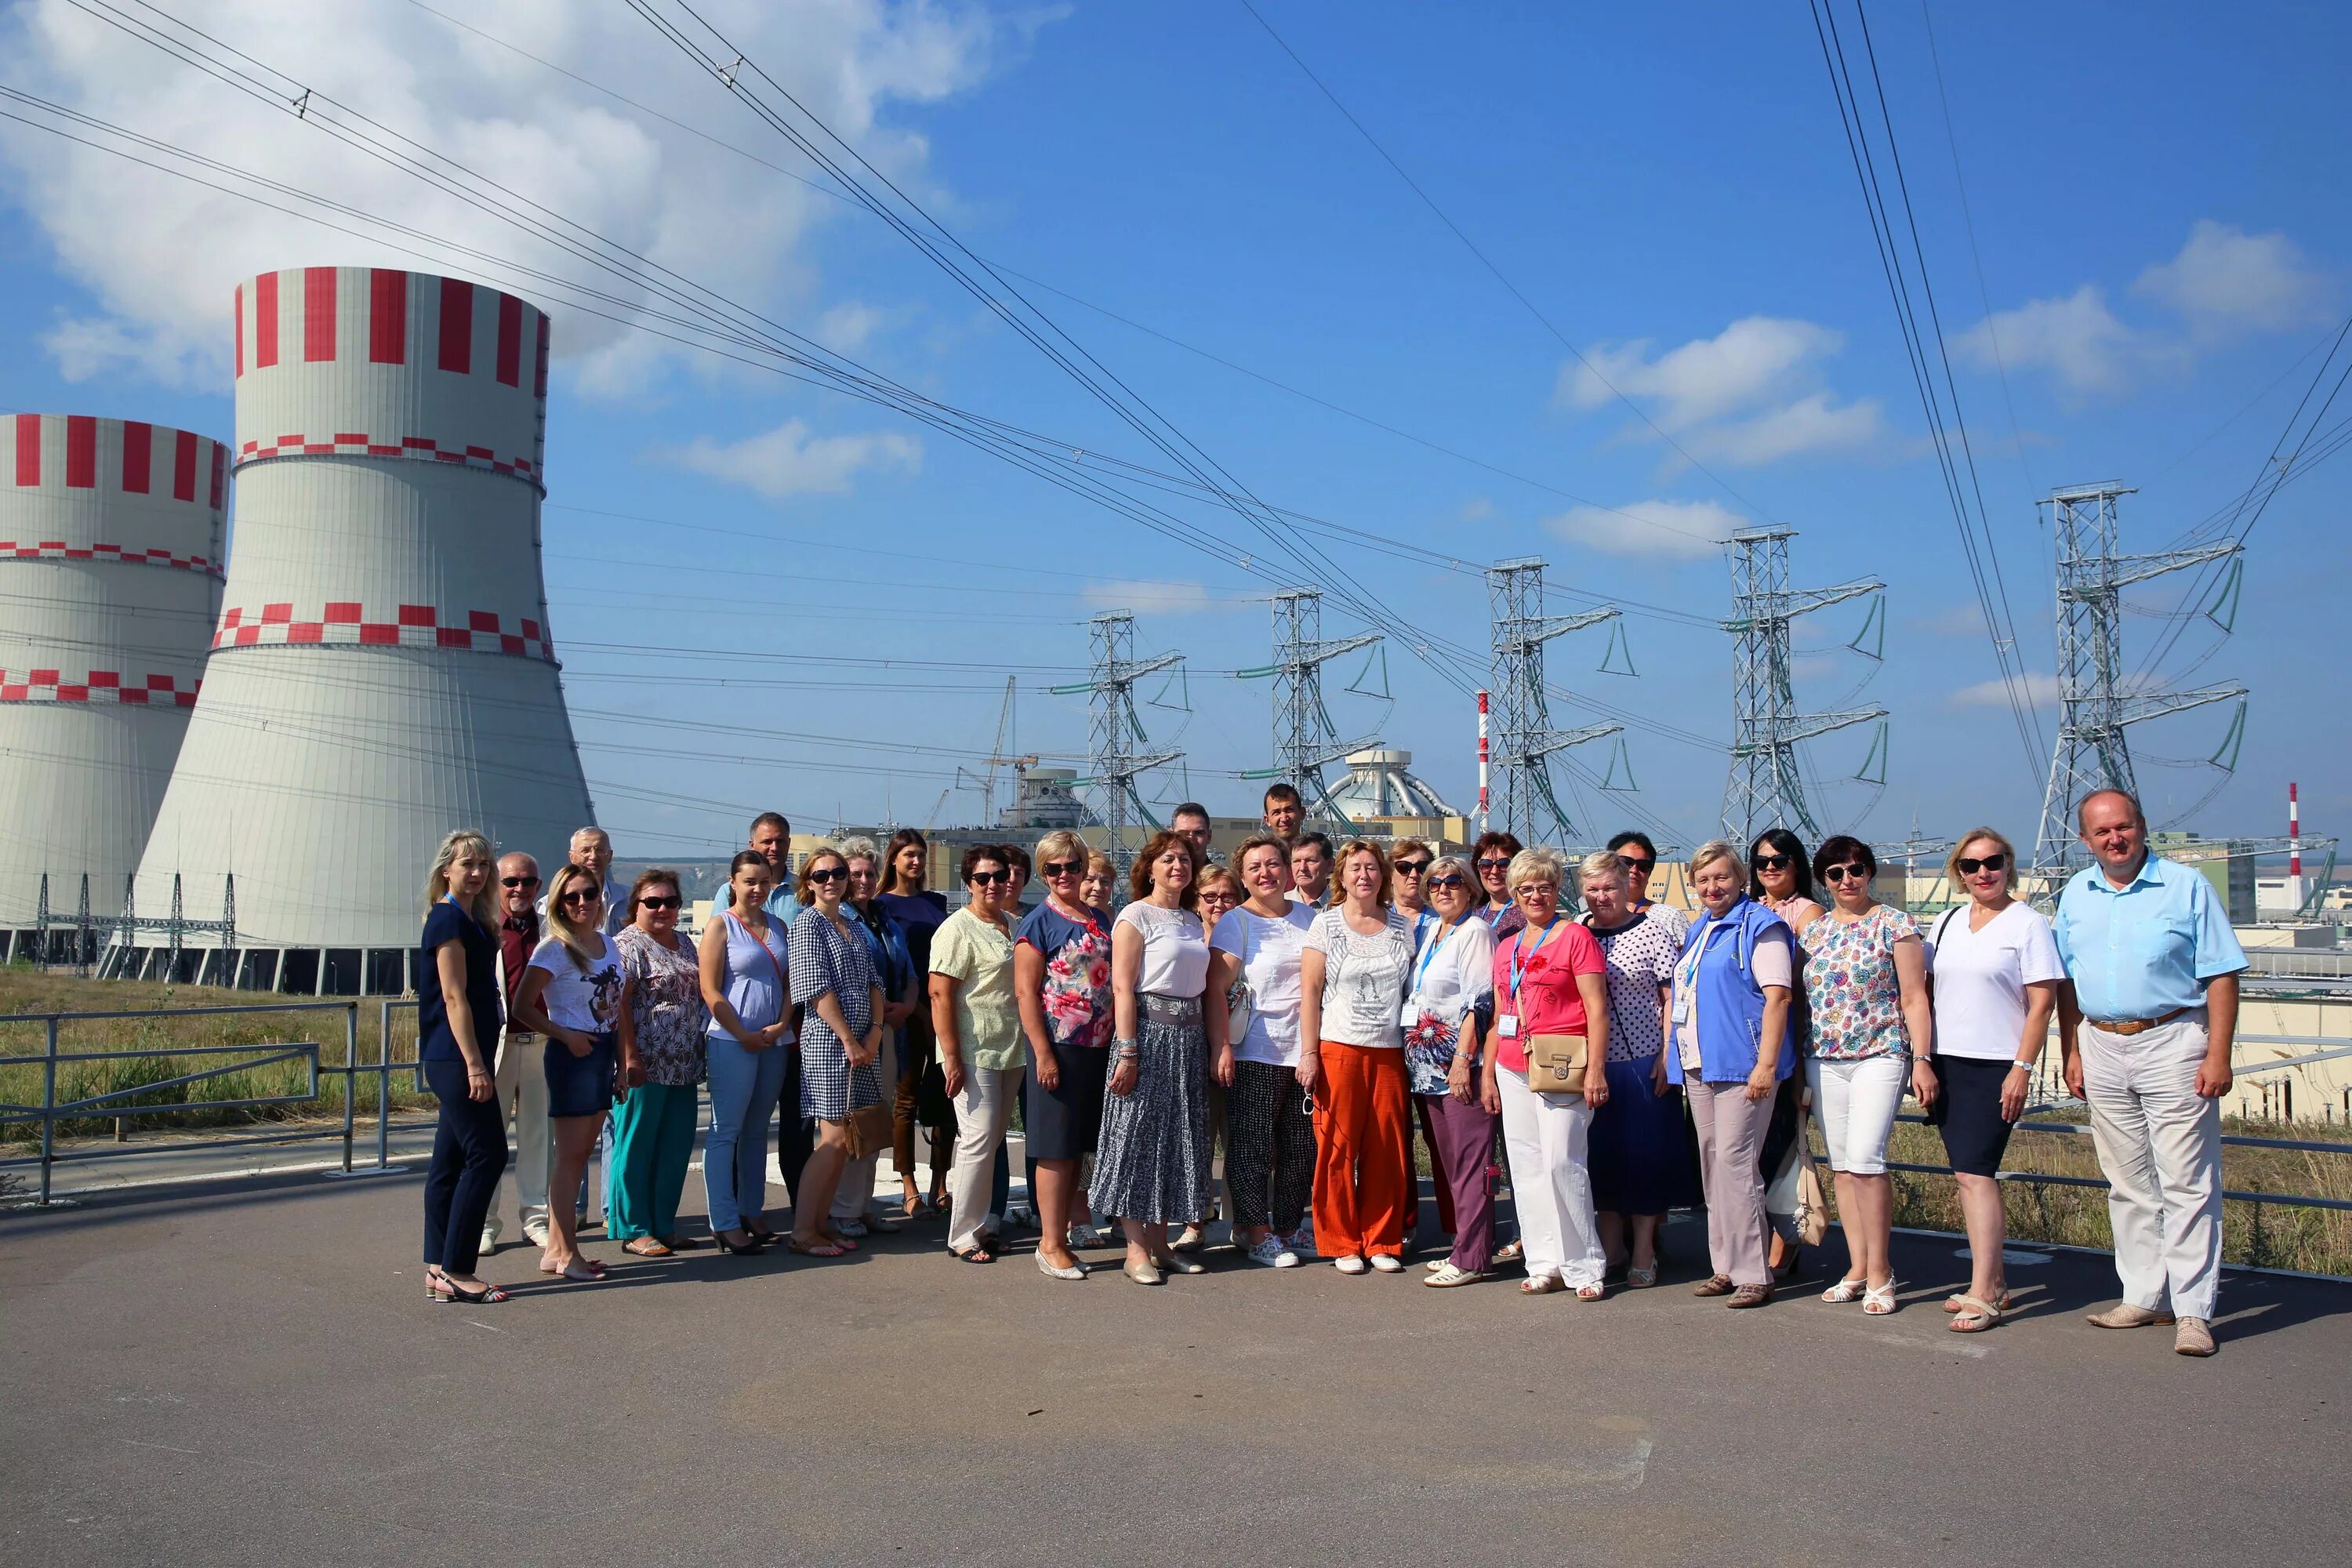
(851, 1199)
(983, 1110)
(522, 1095)
(1545, 1136)
(1857, 1102)
(2160, 1145)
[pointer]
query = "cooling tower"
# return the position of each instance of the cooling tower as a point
(110, 580)
(382, 670)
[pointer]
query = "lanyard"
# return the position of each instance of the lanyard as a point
(1429, 953)
(1519, 946)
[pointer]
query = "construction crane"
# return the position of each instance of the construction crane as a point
(1000, 757)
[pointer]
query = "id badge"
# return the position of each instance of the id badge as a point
(1408, 1015)
(1681, 1006)
(1507, 1025)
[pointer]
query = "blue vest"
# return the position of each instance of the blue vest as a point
(1730, 1004)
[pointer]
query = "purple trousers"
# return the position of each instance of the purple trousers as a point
(1464, 1136)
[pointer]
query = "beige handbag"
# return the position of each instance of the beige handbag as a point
(1556, 1064)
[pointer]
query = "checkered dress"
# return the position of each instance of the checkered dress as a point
(822, 959)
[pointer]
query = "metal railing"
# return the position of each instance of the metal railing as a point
(116, 1104)
(2228, 1140)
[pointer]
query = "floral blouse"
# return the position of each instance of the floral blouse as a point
(667, 1006)
(1077, 988)
(1850, 983)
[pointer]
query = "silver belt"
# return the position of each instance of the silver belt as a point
(1169, 1009)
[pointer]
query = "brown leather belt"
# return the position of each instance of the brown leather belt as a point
(2129, 1026)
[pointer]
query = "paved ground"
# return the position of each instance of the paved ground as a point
(248, 1373)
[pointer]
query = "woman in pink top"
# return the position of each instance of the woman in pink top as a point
(1550, 979)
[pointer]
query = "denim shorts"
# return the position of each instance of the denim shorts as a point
(581, 1086)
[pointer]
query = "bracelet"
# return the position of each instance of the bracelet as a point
(2021, 1065)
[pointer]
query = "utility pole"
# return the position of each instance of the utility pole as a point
(1305, 738)
(1765, 788)
(1112, 757)
(2093, 705)
(1525, 805)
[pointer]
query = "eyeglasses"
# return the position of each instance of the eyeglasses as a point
(518, 882)
(650, 902)
(1846, 874)
(830, 874)
(1637, 862)
(579, 897)
(1772, 862)
(1496, 863)
(1989, 863)
(1063, 868)
(989, 878)
(1411, 867)
(1450, 880)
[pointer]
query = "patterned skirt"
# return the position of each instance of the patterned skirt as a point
(1152, 1161)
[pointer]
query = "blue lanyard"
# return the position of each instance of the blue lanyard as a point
(1518, 945)
(1421, 970)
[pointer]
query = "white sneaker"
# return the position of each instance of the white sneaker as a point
(1352, 1263)
(1387, 1263)
(1272, 1253)
(489, 1243)
(851, 1228)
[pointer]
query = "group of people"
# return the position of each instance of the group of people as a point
(1286, 1020)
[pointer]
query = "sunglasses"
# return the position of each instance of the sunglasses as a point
(1636, 862)
(989, 878)
(1989, 863)
(650, 902)
(1451, 879)
(1772, 862)
(518, 882)
(581, 898)
(1496, 863)
(1411, 867)
(1846, 874)
(1063, 868)
(830, 874)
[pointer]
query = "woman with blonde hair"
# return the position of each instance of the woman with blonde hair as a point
(835, 984)
(457, 1012)
(1100, 889)
(1061, 980)
(894, 971)
(575, 993)
(1353, 974)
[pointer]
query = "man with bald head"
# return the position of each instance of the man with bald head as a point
(523, 1068)
(592, 852)
(2146, 1021)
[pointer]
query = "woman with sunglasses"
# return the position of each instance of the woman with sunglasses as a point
(1448, 1009)
(1221, 892)
(1153, 1165)
(1865, 979)
(575, 993)
(1780, 878)
(1492, 856)
(977, 1021)
(1409, 863)
(894, 970)
(1061, 980)
(1997, 974)
(743, 965)
(1638, 853)
(663, 1027)
(1270, 1159)
(841, 998)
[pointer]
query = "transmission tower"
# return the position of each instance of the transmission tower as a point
(1767, 788)
(1305, 738)
(1113, 759)
(1525, 804)
(2093, 706)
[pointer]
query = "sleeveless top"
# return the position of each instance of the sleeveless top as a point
(754, 971)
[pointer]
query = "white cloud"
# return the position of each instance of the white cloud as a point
(789, 461)
(1748, 396)
(2039, 688)
(1685, 530)
(161, 255)
(2226, 280)
(1816, 423)
(2077, 338)
(1151, 598)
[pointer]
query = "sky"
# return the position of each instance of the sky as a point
(1616, 295)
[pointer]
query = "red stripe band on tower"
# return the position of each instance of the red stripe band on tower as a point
(265, 320)
(184, 467)
(318, 313)
(81, 452)
(220, 472)
(98, 686)
(387, 317)
(58, 550)
(138, 455)
(509, 341)
(28, 449)
(456, 326)
(346, 623)
(541, 387)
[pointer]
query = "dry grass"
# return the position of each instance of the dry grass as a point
(22, 1047)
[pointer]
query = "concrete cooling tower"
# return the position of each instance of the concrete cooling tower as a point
(382, 671)
(110, 581)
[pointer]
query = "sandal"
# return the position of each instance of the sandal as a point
(973, 1254)
(821, 1248)
(1751, 1296)
(1591, 1293)
(1976, 1315)
(1879, 1300)
(1846, 1290)
(1509, 1252)
(836, 1238)
(646, 1247)
(1542, 1285)
(1641, 1279)
(585, 1272)
(1959, 1302)
(1713, 1285)
(590, 1264)
(452, 1297)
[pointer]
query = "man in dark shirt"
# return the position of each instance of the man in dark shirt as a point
(521, 1074)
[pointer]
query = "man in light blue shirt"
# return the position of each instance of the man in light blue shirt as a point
(2144, 1024)
(772, 839)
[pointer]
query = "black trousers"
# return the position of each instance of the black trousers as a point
(469, 1153)
(795, 1134)
(1269, 1148)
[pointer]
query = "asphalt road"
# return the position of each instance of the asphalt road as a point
(248, 1371)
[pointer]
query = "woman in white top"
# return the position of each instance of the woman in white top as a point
(575, 993)
(1996, 973)
(1151, 1163)
(1352, 980)
(1270, 1148)
(1448, 1009)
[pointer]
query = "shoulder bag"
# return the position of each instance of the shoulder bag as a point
(1556, 1064)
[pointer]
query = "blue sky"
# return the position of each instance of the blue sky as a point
(2160, 239)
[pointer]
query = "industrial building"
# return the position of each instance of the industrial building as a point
(110, 581)
(382, 670)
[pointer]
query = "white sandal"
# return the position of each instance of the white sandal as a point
(1846, 1290)
(1879, 1300)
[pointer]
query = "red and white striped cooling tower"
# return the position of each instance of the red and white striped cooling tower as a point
(382, 670)
(110, 581)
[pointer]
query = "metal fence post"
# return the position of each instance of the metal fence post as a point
(351, 1075)
(384, 1087)
(49, 1110)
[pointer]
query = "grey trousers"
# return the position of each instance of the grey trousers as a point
(1730, 1146)
(2159, 1144)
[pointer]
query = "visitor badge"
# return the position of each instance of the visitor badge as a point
(1508, 1025)
(1409, 1015)
(1681, 1006)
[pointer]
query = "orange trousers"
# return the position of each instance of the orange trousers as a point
(1362, 1176)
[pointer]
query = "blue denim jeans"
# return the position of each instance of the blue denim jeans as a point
(743, 1089)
